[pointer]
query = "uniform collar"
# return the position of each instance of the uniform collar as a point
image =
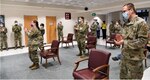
(133, 20)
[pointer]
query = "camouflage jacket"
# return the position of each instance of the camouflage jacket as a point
(60, 29)
(135, 34)
(34, 38)
(81, 31)
(16, 30)
(87, 28)
(117, 28)
(94, 29)
(3, 31)
(111, 28)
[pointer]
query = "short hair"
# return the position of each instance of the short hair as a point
(103, 21)
(36, 24)
(15, 21)
(130, 6)
(82, 18)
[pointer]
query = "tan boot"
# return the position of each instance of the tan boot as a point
(36, 66)
(82, 56)
(31, 65)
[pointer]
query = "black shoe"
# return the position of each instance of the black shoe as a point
(78, 54)
(115, 59)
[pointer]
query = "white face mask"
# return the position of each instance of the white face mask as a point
(16, 23)
(41, 27)
(79, 20)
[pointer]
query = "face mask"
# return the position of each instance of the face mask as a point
(79, 20)
(16, 23)
(125, 16)
(41, 27)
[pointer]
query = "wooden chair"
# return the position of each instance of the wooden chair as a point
(89, 34)
(111, 39)
(68, 40)
(91, 43)
(51, 53)
(98, 67)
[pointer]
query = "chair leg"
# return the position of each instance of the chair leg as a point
(46, 64)
(72, 44)
(145, 63)
(106, 44)
(88, 51)
(53, 58)
(68, 44)
(41, 60)
(58, 60)
(62, 44)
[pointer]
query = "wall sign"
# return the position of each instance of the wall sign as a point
(67, 15)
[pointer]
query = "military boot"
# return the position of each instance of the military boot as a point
(31, 65)
(82, 56)
(36, 66)
(80, 53)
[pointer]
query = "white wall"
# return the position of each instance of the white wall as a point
(13, 13)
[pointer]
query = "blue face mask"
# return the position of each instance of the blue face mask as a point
(125, 16)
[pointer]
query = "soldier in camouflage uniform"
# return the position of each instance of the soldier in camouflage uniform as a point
(117, 28)
(60, 31)
(35, 38)
(3, 36)
(111, 28)
(42, 33)
(94, 27)
(75, 31)
(87, 28)
(81, 29)
(135, 36)
(17, 34)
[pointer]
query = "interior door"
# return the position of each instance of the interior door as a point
(27, 21)
(50, 28)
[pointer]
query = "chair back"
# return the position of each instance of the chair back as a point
(91, 40)
(98, 58)
(112, 36)
(89, 34)
(70, 37)
(55, 46)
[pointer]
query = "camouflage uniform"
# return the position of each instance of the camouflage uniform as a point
(75, 31)
(111, 28)
(117, 28)
(34, 41)
(17, 35)
(94, 28)
(60, 32)
(3, 37)
(87, 28)
(42, 38)
(81, 38)
(135, 34)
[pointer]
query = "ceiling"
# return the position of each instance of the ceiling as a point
(79, 5)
